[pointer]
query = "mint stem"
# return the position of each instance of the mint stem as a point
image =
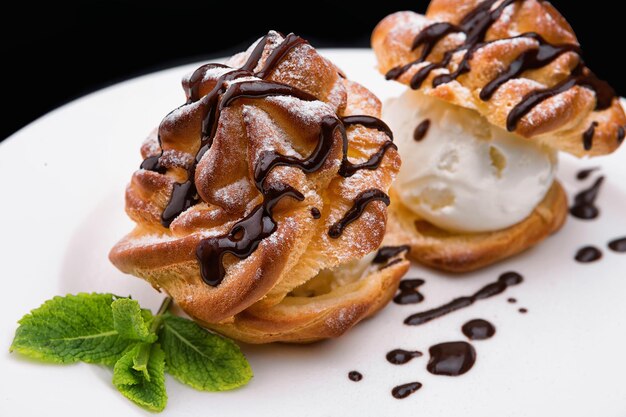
(156, 323)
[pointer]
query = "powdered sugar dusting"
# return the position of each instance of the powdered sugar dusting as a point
(231, 194)
(310, 111)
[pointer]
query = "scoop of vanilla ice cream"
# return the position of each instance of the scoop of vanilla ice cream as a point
(465, 175)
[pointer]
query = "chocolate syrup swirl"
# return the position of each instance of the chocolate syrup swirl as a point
(451, 358)
(362, 200)
(401, 356)
(478, 329)
(588, 136)
(585, 202)
(409, 292)
(588, 254)
(504, 281)
(347, 168)
(618, 245)
(475, 26)
(583, 174)
(421, 130)
(404, 390)
(386, 253)
(246, 235)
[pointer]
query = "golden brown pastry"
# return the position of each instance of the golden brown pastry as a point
(270, 179)
(497, 88)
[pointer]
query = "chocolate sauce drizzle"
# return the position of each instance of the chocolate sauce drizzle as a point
(362, 200)
(246, 235)
(404, 390)
(588, 136)
(581, 76)
(401, 356)
(588, 254)
(451, 358)
(583, 174)
(504, 281)
(386, 253)
(478, 329)
(347, 168)
(618, 245)
(409, 292)
(421, 130)
(585, 202)
(475, 26)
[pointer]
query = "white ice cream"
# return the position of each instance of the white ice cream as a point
(465, 175)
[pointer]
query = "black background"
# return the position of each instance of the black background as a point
(60, 51)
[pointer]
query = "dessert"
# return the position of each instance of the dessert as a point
(497, 89)
(261, 201)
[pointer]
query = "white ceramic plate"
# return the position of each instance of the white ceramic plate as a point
(62, 180)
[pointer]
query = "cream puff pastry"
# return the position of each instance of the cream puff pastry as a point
(262, 200)
(498, 87)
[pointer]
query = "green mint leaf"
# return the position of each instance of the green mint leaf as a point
(141, 360)
(131, 322)
(201, 359)
(70, 329)
(140, 376)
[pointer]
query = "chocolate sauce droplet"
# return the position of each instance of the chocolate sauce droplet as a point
(421, 130)
(315, 213)
(478, 329)
(588, 136)
(404, 390)
(523, 310)
(409, 293)
(583, 174)
(588, 254)
(401, 356)
(361, 201)
(386, 253)
(504, 281)
(618, 245)
(512, 300)
(355, 376)
(584, 202)
(408, 297)
(451, 358)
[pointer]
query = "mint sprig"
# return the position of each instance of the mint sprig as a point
(115, 331)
